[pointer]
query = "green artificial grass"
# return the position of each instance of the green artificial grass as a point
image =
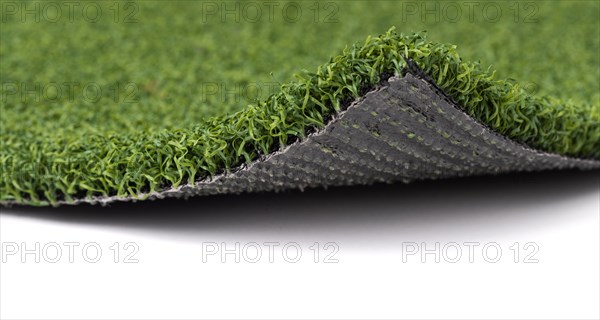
(171, 132)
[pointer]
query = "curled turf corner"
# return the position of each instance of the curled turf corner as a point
(442, 118)
(404, 130)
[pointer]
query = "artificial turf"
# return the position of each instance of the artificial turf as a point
(163, 128)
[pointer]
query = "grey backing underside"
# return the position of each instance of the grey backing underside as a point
(405, 130)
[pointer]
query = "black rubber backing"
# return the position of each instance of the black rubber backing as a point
(406, 129)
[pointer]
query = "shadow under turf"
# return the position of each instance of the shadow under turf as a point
(504, 198)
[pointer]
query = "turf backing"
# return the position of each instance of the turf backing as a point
(65, 149)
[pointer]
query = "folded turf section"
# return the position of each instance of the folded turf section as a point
(61, 151)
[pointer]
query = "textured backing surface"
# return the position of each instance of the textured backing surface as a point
(405, 130)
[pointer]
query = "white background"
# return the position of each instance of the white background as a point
(371, 226)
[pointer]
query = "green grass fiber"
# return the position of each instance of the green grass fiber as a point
(163, 129)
